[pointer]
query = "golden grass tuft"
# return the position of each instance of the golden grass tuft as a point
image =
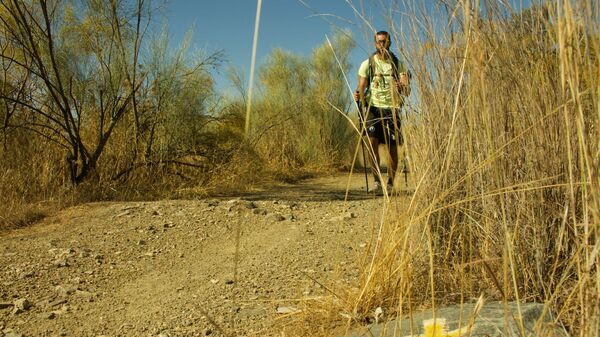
(504, 147)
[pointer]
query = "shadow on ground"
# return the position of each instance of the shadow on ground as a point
(333, 188)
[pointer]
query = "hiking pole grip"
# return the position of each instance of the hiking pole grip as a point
(362, 144)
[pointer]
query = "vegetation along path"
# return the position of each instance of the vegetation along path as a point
(167, 268)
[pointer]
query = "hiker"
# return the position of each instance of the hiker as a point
(383, 82)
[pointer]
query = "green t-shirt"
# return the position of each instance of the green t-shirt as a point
(382, 92)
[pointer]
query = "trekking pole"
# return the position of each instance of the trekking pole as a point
(362, 125)
(405, 162)
(405, 170)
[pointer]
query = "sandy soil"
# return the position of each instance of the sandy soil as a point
(168, 268)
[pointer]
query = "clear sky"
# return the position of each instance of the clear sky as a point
(293, 25)
(229, 25)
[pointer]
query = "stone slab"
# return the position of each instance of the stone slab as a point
(495, 319)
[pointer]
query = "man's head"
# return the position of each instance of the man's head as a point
(382, 41)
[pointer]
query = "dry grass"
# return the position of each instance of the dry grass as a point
(504, 148)
(28, 184)
(34, 178)
(504, 143)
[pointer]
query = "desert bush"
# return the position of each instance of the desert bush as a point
(300, 118)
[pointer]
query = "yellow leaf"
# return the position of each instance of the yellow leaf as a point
(437, 328)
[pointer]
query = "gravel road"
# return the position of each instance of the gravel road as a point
(170, 268)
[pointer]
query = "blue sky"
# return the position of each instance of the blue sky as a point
(286, 24)
(293, 25)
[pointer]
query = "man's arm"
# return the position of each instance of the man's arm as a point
(404, 84)
(359, 94)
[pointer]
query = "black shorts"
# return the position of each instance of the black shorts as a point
(382, 124)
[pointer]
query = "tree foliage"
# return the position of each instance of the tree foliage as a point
(83, 76)
(76, 74)
(302, 112)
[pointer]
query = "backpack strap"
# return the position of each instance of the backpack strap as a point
(395, 66)
(370, 72)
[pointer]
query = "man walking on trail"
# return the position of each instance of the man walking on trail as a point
(383, 82)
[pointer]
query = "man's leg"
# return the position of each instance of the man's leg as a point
(374, 157)
(393, 162)
(395, 140)
(375, 132)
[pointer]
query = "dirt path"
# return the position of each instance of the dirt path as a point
(167, 268)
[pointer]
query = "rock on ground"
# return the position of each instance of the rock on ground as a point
(494, 319)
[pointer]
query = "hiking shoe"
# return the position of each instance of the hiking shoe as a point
(377, 189)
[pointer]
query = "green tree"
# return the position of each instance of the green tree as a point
(75, 66)
(176, 103)
(301, 117)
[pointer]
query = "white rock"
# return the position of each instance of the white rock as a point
(345, 217)
(13, 334)
(122, 214)
(85, 294)
(23, 304)
(65, 290)
(275, 217)
(378, 314)
(287, 310)
(60, 263)
(259, 211)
